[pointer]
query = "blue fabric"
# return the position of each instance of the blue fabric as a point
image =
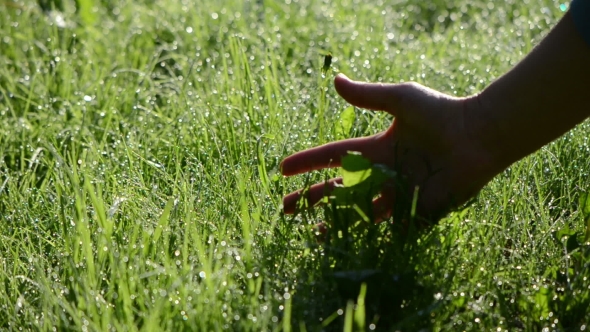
(580, 11)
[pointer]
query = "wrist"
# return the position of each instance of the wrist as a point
(490, 132)
(538, 100)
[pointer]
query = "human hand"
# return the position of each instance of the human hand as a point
(436, 143)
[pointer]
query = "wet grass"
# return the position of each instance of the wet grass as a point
(139, 181)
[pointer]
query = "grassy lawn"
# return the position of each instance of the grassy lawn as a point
(140, 189)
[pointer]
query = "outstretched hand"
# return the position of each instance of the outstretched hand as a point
(435, 144)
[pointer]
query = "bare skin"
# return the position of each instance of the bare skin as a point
(432, 142)
(448, 147)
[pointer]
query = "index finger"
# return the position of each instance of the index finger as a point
(330, 155)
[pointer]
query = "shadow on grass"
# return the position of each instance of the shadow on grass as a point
(392, 261)
(394, 265)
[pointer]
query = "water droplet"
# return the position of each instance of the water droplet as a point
(563, 7)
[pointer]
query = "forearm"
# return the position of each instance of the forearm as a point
(540, 99)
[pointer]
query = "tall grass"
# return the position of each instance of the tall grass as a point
(140, 189)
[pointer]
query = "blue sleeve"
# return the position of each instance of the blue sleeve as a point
(580, 12)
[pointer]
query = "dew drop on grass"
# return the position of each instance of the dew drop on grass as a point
(563, 7)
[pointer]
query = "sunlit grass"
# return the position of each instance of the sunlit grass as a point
(139, 180)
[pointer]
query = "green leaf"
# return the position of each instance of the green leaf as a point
(346, 122)
(354, 161)
(359, 314)
(585, 205)
(86, 12)
(542, 302)
(275, 177)
(359, 174)
(355, 169)
(164, 220)
(361, 182)
(350, 179)
(565, 231)
(348, 316)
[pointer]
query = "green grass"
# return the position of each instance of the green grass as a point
(140, 189)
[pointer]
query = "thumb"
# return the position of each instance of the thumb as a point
(373, 96)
